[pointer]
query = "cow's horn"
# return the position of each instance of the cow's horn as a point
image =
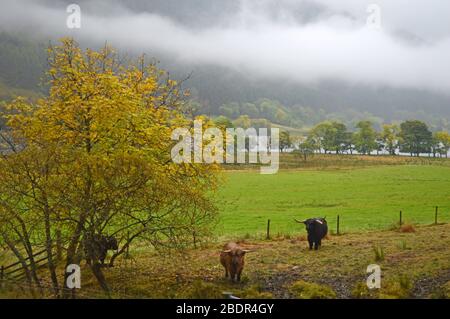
(246, 250)
(226, 251)
(319, 221)
(300, 222)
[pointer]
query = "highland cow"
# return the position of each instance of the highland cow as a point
(232, 259)
(317, 229)
(96, 247)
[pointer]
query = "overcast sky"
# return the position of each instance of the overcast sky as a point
(304, 41)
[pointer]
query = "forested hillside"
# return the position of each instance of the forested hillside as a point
(222, 91)
(22, 62)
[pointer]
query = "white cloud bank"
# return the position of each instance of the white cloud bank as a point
(337, 46)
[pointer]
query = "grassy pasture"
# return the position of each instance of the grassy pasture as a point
(272, 266)
(366, 198)
(421, 257)
(366, 192)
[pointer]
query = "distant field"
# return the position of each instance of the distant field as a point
(366, 198)
(333, 161)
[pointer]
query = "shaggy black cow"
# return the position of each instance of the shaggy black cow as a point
(317, 229)
(96, 247)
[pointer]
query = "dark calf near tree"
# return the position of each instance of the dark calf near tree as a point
(96, 247)
(232, 259)
(317, 229)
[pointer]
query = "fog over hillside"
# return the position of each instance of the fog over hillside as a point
(315, 53)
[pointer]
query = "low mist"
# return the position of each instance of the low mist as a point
(301, 41)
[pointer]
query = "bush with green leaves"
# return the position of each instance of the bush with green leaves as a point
(203, 290)
(397, 288)
(306, 290)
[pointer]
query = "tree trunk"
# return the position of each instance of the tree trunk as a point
(25, 238)
(51, 263)
(59, 245)
(72, 253)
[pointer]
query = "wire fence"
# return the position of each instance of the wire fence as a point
(337, 224)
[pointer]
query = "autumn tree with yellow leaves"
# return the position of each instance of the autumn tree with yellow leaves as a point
(93, 158)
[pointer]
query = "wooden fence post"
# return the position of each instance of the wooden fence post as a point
(401, 221)
(436, 216)
(268, 230)
(337, 225)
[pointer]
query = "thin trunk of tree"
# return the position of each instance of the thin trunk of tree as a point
(72, 251)
(50, 260)
(25, 238)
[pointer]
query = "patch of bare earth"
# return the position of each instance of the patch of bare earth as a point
(427, 285)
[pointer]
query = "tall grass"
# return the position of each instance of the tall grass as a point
(378, 252)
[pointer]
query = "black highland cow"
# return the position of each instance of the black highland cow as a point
(96, 247)
(317, 229)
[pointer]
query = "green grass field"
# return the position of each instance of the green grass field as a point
(365, 198)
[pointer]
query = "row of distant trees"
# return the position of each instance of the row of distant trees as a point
(411, 137)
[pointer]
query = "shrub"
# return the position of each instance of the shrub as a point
(398, 288)
(305, 290)
(405, 282)
(361, 291)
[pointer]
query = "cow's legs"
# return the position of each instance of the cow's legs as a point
(226, 273)
(102, 257)
(310, 244)
(316, 245)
